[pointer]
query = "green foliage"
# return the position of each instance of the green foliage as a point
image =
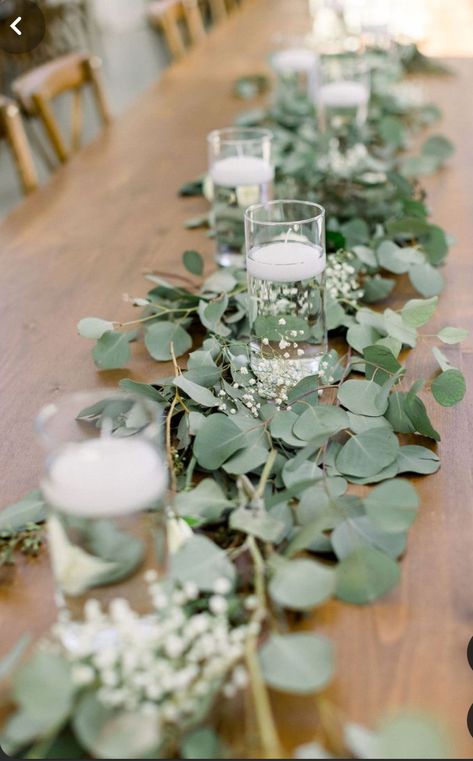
(164, 338)
(365, 575)
(300, 663)
(449, 387)
(200, 560)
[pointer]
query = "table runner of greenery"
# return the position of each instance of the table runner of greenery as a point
(271, 520)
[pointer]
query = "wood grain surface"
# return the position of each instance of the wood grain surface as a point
(73, 248)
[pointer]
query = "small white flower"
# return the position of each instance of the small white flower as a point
(218, 605)
(222, 586)
(282, 321)
(178, 532)
(266, 341)
(244, 371)
(82, 675)
(150, 576)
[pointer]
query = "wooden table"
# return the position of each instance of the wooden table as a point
(72, 250)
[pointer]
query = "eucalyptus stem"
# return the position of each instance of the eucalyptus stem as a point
(267, 727)
(270, 741)
(265, 474)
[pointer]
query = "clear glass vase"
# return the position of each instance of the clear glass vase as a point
(105, 483)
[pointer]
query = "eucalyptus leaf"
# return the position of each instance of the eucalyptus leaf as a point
(366, 575)
(93, 327)
(392, 506)
(301, 584)
(106, 733)
(299, 663)
(216, 440)
(257, 522)
(320, 422)
(45, 673)
(359, 531)
(452, 335)
(201, 743)
(417, 312)
(199, 394)
(163, 338)
(31, 509)
(112, 351)
(206, 502)
(417, 459)
(200, 560)
(367, 453)
(426, 279)
(193, 262)
(449, 387)
(363, 397)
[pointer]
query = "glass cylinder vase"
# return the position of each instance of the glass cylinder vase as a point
(285, 259)
(105, 483)
(241, 173)
(344, 91)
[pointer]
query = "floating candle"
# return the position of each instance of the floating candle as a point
(294, 60)
(105, 477)
(284, 262)
(235, 171)
(344, 94)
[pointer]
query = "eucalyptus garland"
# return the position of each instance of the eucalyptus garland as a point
(263, 482)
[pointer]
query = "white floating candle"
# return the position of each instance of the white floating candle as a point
(294, 60)
(235, 171)
(344, 94)
(286, 262)
(105, 477)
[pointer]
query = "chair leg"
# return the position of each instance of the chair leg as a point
(218, 10)
(45, 112)
(170, 26)
(94, 64)
(16, 137)
(194, 21)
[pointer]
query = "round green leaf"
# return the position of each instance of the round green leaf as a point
(426, 279)
(417, 312)
(320, 421)
(216, 440)
(301, 584)
(365, 575)
(449, 387)
(193, 262)
(200, 560)
(162, 336)
(417, 459)
(112, 350)
(93, 327)
(300, 662)
(115, 734)
(367, 453)
(44, 674)
(393, 505)
(362, 397)
(452, 335)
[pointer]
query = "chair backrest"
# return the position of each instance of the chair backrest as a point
(170, 16)
(218, 10)
(11, 128)
(69, 73)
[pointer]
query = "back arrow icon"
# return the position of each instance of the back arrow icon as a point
(14, 26)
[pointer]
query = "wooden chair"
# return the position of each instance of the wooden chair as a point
(11, 128)
(70, 73)
(170, 16)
